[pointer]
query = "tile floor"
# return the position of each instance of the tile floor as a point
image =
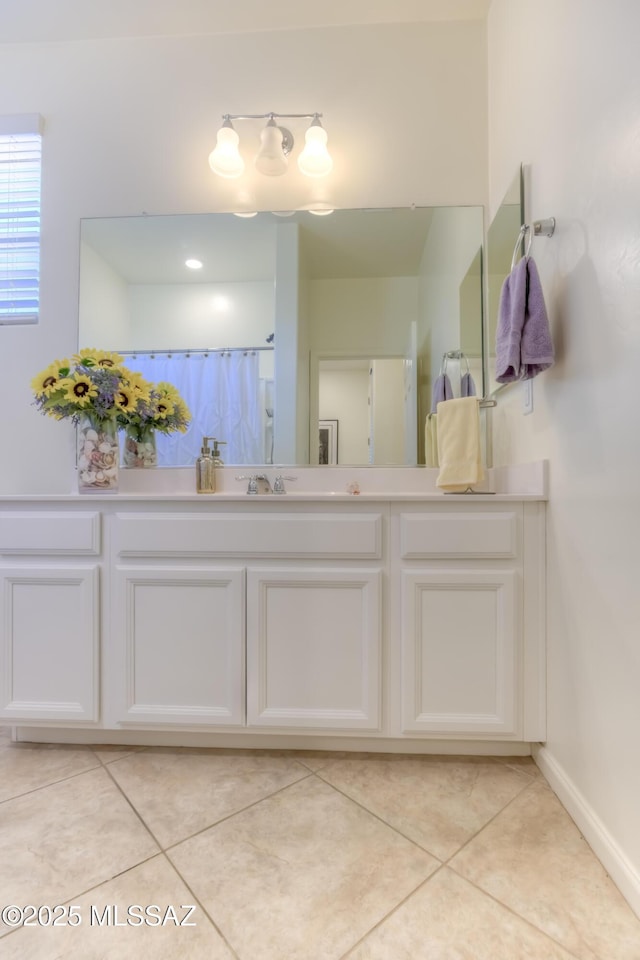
(297, 856)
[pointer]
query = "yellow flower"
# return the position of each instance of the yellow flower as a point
(79, 390)
(138, 384)
(125, 398)
(168, 390)
(97, 358)
(164, 408)
(49, 380)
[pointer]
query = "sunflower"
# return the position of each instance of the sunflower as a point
(125, 398)
(164, 408)
(79, 390)
(97, 358)
(139, 385)
(49, 380)
(168, 391)
(182, 414)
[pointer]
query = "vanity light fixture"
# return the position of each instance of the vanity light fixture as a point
(276, 143)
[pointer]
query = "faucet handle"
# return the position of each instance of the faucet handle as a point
(252, 487)
(278, 483)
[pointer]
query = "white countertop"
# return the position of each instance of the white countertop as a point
(313, 484)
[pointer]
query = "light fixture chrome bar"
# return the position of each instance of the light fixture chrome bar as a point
(270, 115)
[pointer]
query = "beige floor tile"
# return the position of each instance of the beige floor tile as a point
(63, 839)
(27, 766)
(533, 858)
(178, 793)
(154, 882)
(524, 765)
(302, 875)
(449, 919)
(108, 752)
(439, 802)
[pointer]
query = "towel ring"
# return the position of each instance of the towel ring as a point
(541, 228)
(453, 355)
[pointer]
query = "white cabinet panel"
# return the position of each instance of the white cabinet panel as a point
(460, 651)
(254, 534)
(313, 648)
(179, 645)
(482, 534)
(54, 533)
(49, 643)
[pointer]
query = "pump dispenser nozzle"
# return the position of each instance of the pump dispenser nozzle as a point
(217, 459)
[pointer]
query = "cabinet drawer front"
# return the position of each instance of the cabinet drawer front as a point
(257, 535)
(486, 534)
(51, 533)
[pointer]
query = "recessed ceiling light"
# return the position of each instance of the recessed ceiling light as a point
(193, 264)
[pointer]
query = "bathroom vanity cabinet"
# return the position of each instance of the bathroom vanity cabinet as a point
(388, 620)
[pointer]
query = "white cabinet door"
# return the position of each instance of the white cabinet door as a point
(178, 646)
(460, 652)
(49, 643)
(314, 648)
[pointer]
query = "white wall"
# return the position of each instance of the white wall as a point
(129, 125)
(564, 77)
(103, 302)
(343, 396)
(362, 316)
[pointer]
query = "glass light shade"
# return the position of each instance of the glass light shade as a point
(225, 159)
(271, 160)
(315, 160)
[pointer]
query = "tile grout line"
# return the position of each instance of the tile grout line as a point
(52, 783)
(235, 813)
(162, 851)
(393, 910)
(201, 905)
(487, 893)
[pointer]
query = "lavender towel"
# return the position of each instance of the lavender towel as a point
(523, 341)
(467, 386)
(441, 391)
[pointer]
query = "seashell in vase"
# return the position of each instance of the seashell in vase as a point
(98, 456)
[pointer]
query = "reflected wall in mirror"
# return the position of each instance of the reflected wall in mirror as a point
(502, 237)
(289, 321)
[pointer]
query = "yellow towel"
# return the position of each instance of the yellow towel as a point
(431, 441)
(459, 450)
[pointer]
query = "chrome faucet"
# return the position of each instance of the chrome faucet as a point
(266, 483)
(254, 481)
(278, 484)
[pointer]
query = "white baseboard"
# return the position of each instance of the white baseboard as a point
(623, 873)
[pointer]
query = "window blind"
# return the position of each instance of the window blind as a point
(20, 167)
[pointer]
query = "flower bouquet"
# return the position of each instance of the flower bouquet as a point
(160, 409)
(101, 396)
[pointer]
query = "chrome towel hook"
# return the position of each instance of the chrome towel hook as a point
(539, 228)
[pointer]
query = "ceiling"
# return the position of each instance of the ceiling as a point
(25, 21)
(346, 244)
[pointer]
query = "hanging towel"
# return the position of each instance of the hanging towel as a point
(459, 449)
(523, 341)
(467, 385)
(431, 441)
(441, 391)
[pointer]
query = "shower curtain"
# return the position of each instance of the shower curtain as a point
(222, 391)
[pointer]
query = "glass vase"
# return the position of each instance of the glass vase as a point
(98, 455)
(139, 447)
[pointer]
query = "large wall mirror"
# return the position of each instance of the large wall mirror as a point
(295, 330)
(502, 236)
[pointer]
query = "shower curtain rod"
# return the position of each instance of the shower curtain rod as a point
(187, 353)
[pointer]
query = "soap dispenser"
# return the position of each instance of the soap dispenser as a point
(217, 459)
(205, 469)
